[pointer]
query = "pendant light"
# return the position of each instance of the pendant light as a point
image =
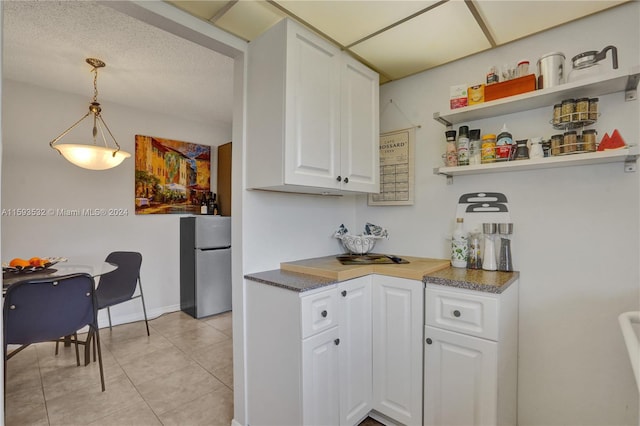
(92, 157)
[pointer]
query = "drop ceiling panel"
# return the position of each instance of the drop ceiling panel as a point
(249, 19)
(445, 33)
(349, 21)
(202, 9)
(540, 15)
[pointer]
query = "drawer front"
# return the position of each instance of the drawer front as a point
(319, 312)
(463, 312)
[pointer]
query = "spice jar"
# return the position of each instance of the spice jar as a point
(582, 109)
(570, 141)
(522, 151)
(488, 148)
(556, 144)
(546, 148)
(593, 109)
(557, 113)
(589, 140)
(568, 108)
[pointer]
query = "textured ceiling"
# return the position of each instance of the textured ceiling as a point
(46, 42)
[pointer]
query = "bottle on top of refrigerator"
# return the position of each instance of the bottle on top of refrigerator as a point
(459, 245)
(463, 146)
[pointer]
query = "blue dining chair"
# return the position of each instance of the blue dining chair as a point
(120, 285)
(45, 309)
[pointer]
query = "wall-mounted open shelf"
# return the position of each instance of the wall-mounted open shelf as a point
(628, 156)
(616, 81)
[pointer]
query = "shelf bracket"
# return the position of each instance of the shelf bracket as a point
(630, 163)
(631, 89)
(436, 116)
(436, 171)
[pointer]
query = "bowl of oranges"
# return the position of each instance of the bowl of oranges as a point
(19, 265)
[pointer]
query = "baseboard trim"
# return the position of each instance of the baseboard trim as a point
(103, 319)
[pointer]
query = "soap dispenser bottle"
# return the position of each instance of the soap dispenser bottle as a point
(459, 245)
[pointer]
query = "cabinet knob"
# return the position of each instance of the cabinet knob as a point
(429, 341)
(344, 293)
(339, 178)
(346, 180)
(456, 313)
(324, 314)
(337, 342)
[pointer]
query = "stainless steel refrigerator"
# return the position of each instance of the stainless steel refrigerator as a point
(205, 265)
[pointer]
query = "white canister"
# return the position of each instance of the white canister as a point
(551, 70)
(536, 151)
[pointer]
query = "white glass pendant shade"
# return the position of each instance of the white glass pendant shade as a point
(92, 157)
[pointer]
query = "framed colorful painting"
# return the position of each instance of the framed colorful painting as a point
(171, 176)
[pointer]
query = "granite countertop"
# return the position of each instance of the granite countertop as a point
(294, 281)
(470, 279)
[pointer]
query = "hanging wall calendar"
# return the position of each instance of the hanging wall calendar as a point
(396, 169)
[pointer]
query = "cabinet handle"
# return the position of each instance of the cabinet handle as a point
(324, 314)
(429, 341)
(339, 178)
(456, 313)
(346, 180)
(337, 342)
(344, 293)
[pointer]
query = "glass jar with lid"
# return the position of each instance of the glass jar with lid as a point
(570, 142)
(589, 137)
(568, 108)
(556, 144)
(582, 109)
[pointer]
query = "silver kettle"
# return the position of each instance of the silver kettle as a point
(585, 64)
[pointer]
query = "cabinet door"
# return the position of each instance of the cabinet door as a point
(360, 133)
(397, 348)
(354, 351)
(320, 388)
(460, 379)
(312, 134)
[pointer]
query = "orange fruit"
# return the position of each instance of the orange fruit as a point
(37, 262)
(17, 262)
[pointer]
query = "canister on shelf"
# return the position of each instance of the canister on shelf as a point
(488, 148)
(582, 109)
(556, 144)
(568, 108)
(593, 109)
(536, 150)
(570, 141)
(522, 151)
(475, 147)
(546, 148)
(589, 140)
(452, 152)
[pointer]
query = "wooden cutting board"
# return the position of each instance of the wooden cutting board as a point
(330, 267)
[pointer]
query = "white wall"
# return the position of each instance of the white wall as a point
(575, 229)
(35, 176)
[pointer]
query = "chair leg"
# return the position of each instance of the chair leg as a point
(57, 343)
(97, 337)
(75, 340)
(87, 347)
(109, 313)
(144, 308)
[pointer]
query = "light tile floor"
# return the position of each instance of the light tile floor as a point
(181, 375)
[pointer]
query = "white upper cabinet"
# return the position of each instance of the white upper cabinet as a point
(312, 116)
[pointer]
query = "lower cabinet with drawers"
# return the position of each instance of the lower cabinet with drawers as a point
(380, 346)
(470, 356)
